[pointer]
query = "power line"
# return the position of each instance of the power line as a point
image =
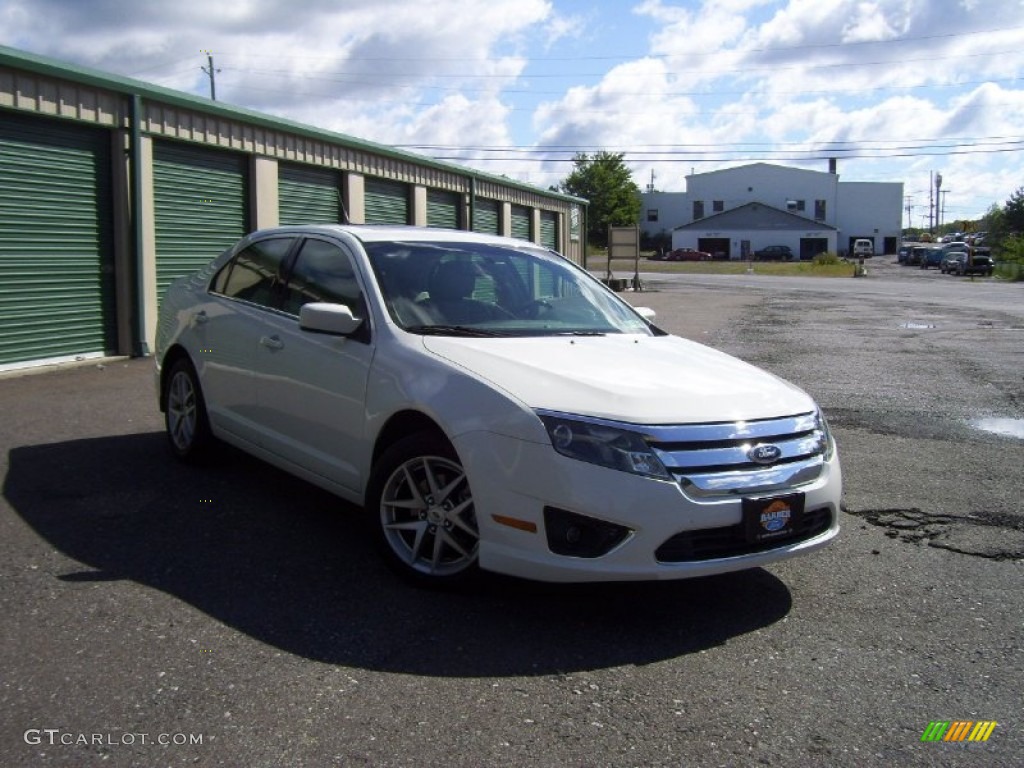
(764, 155)
(640, 55)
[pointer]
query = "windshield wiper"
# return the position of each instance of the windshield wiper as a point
(452, 330)
(580, 333)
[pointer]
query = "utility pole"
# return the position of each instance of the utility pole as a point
(931, 202)
(209, 70)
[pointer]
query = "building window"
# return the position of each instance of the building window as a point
(698, 209)
(717, 206)
(819, 210)
(652, 214)
(793, 206)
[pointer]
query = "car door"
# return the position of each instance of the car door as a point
(227, 329)
(311, 387)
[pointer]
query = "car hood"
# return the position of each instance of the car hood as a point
(638, 379)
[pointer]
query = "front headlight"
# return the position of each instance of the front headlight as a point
(828, 446)
(604, 445)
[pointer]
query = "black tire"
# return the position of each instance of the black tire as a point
(421, 512)
(185, 418)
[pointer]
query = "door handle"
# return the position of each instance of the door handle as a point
(272, 342)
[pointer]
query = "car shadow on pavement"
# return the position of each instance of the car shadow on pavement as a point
(289, 565)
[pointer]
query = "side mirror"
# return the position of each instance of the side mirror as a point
(321, 317)
(646, 313)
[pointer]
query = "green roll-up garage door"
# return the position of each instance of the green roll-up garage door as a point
(521, 216)
(485, 216)
(442, 209)
(56, 233)
(308, 195)
(549, 229)
(200, 199)
(386, 202)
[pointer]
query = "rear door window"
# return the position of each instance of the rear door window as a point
(255, 274)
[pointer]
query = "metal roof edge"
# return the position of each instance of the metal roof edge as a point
(751, 204)
(44, 65)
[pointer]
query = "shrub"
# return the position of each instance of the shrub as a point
(826, 259)
(1010, 259)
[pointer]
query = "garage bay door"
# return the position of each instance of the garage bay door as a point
(520, 224)
(201, 207)
(386, 202)
(56, 252)
(485, 216)
(442, 209)
(549, 229)
(308, 195)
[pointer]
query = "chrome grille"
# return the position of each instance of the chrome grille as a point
(713, 460)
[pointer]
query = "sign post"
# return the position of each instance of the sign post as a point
(624, 243)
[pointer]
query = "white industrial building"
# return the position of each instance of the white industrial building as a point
(736, 211)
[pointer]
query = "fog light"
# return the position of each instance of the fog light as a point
(581, 536)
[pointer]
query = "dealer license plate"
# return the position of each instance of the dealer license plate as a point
(773, 518)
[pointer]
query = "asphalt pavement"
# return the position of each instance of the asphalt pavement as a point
(229, 615)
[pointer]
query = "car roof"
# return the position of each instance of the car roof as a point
(374, 233)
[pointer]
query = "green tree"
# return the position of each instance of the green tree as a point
(994, 223)
(1013, 213)
(606, 182)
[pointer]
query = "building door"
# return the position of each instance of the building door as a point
(309, 195)
(57, 297)
(443, 208)
(549, 230)
(716, 246)
(201, 206)
(386, 202)
(485, 216)
(521, 220)
(812, 246)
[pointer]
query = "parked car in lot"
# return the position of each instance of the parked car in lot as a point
(916, 255)
(774, 253)
(863, 248)
(688, 254)
(934, 255)
(948, 264)
(491, 406)
(962, 263)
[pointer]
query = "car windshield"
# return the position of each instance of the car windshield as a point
(483, 289)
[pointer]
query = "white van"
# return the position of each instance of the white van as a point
(863, 248)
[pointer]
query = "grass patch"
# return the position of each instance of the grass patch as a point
(621, 268)
(1010, 270)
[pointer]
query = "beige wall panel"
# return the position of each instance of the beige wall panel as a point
(265, 191)
(355, 197)
(148, 256)
(419, 206)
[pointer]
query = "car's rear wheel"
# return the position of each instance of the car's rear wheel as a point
(421, 506)
(188, 428)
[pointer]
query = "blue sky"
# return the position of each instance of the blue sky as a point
(895, 89)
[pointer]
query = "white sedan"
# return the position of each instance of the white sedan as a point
(491, 405)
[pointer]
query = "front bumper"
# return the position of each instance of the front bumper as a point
(514, 479)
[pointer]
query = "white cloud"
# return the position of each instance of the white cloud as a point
(676, 85)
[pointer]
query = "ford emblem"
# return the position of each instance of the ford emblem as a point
(764, 453)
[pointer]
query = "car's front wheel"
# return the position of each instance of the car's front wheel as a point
(421, 507)
(188, 428)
